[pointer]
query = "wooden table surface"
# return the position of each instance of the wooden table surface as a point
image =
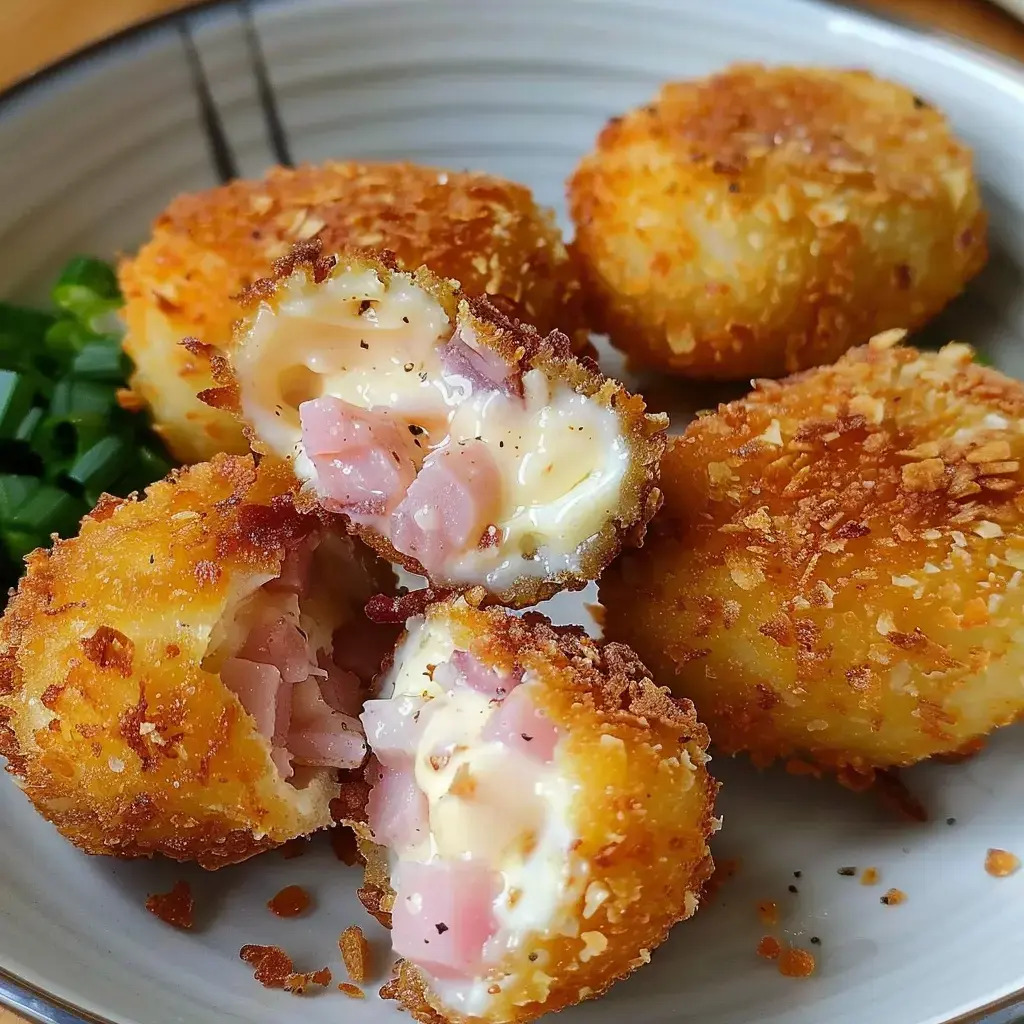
(35, 32)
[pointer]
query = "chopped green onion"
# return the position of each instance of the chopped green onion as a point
(100, 360)
(64, 438)
(16, 395)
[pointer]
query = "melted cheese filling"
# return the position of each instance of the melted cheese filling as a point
(517, 821)
(561, 457)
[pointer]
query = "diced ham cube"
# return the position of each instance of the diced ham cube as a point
(280, 643)
(452, 501)
(296, 565)
(477, 676)
(341, 689)
(444, 915)
(258, 687)
(520, 725)
(393, 727)
(481, 368)
(363, 459)
(396, 811)
(321, 736)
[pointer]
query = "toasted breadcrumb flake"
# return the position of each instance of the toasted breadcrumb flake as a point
(893, 897)
(176, 907)
(769, 948)
(869, 876)
(291, 901)
(352, 991)
(1001, 863)
(796, 963)
(355, 952)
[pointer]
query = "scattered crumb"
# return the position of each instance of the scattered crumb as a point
(273, 969)
(352, 991)
(343, 843)
(355, 952)
(597, 613)
(893, 897)
(815, 941)
(951, 821)
(176, 907)
(271, 963)
(295, 847)
(893, 793)
(291, 901)
(848, 872)
(797, 874)
(793, 888)
(796, 963)
(1000, 863)
(769, 948)
(298, 983)
(768, 912)
(869, 876)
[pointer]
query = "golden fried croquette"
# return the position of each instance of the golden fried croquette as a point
(485, 232)
(764, 220)
(460, 444)
(546, 809)
(836, 575)
(155, 693)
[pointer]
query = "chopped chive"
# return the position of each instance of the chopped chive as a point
(77, 400)
(95, 470)
(49, 510)
(14, 492)
(66, 338)
(16, 395)
(30, 423)
(19, 324)
(101, 361)
(87, 289)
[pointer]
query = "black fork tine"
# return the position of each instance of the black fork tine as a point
(276, 134)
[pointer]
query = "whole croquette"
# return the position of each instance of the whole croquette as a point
(467, 447)
(836, 575)
(485, 232)
(546, 809)
(764, 220)
(182, 677)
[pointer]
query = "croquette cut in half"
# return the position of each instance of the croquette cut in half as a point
(836, 576)
(546, 811)
(183, 677)
(460, 444)
(764, 220)
(206, 248)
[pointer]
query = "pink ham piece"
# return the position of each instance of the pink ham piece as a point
(444, 915)
(455, 497)
(393, 727)
(363, 459)
(321, 736)
(268, 699)
(487, 681)
(296, 565)
(519, 725)
(396, 810)
(341, 689)
(481, 368)
(282, 644)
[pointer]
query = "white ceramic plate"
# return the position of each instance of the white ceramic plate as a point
(92, 151)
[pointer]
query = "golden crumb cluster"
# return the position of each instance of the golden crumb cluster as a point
(485, 232)
(763, 221)
(110, 721)
(837, 573)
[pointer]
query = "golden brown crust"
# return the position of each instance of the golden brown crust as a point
(836, 573)
(643, 815)
(108, 720)
(483, 231)
(518, 344)
(763, 220)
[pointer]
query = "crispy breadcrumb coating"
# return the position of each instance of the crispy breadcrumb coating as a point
(836, 575)
(261, 388)
(483, 231)
(764, 220)
(642, 815)
(109, 721)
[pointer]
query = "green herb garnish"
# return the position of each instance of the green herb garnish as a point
(64, 438)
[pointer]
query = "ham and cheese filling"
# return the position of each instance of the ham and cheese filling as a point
(469, 797)
(480, 471)
(299, 656)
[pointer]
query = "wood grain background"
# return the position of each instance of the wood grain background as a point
(36, 32)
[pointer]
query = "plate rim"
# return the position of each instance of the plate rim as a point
(33, 1002)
